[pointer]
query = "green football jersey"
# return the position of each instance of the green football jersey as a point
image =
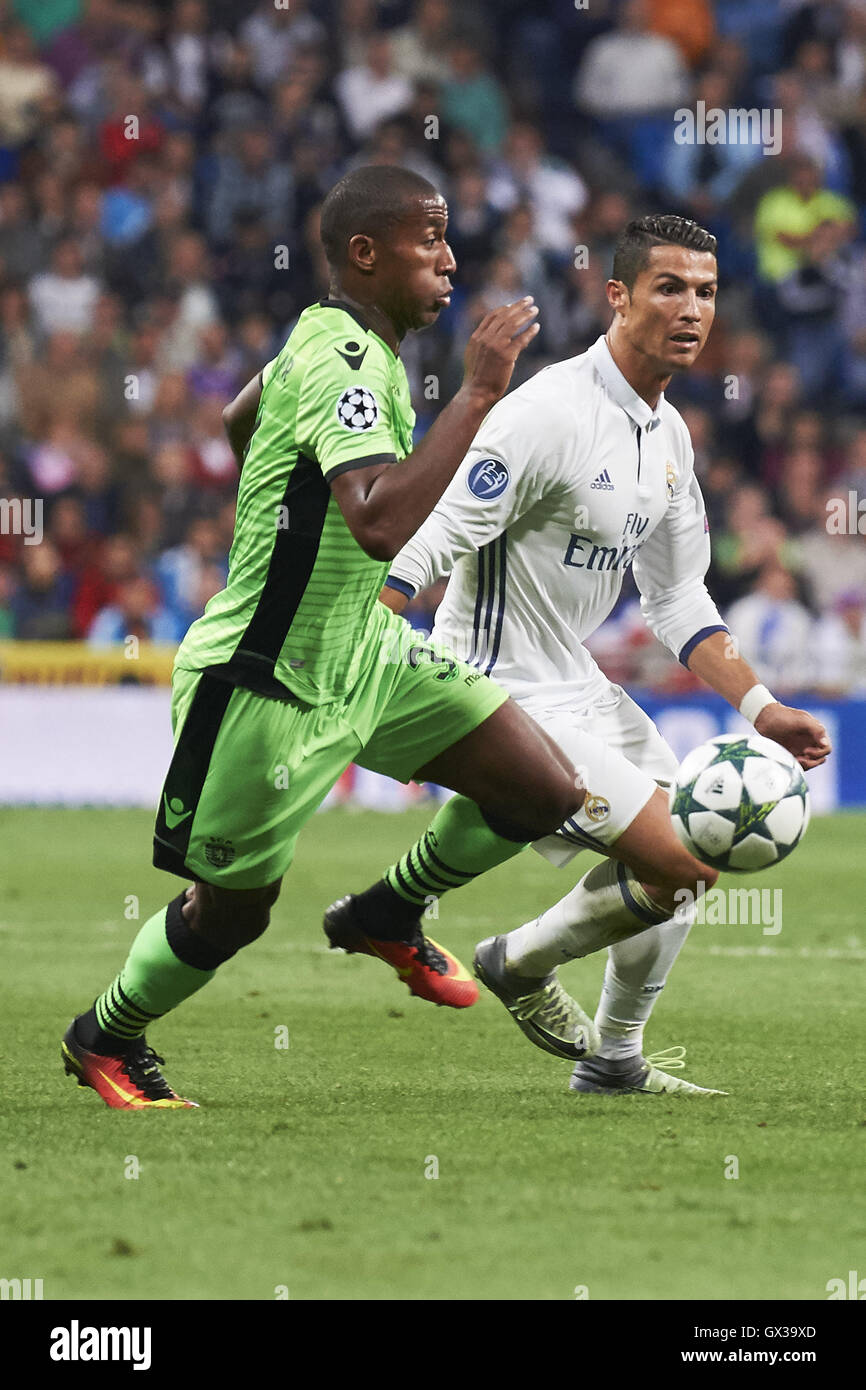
(300, 609)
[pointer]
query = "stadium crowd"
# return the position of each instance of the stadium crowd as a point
(161, 171)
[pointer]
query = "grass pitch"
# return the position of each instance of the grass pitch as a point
(309, 1168)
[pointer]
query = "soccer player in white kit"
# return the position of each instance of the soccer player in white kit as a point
(579, 473)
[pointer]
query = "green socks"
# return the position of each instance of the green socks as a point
(457, 847)
(167, 963)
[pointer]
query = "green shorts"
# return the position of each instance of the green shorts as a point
(249, 770)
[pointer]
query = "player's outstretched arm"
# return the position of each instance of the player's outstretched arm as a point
(717, 662)
(239, 417)
(384, 506)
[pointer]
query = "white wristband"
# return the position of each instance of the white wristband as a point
(754, 701)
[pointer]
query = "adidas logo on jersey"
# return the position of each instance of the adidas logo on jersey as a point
(603, 482)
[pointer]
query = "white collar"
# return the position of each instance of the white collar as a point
(618, 388)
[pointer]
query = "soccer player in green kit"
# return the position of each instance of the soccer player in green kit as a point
(290, 675)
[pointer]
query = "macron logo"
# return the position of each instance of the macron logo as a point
(603, 482)
(75, 1343)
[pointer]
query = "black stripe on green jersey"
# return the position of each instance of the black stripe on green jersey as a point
(298, 615)
(187, 773)
(293, 557)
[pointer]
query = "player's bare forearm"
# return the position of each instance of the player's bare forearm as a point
(717, 661)
(239, 418)
(393, 599)
(384, 506)
(396, 501)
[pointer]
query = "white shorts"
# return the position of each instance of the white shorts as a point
(621, 757)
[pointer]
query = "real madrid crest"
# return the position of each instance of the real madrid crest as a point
(596, 807)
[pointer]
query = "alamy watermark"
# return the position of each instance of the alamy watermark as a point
(736, 126)
(22, 516)
(731, 907)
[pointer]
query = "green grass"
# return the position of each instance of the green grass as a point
(305, 1167)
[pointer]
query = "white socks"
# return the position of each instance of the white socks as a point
(634, 977)
(607, 907)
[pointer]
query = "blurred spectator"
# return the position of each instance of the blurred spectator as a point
(69, 532)
(251, 181)
(182, 569)
(60, 386)
(356, 21)
(752, 540)
(194, 302)
(214, 464)
(775, 631)
(274, 37)
(473, 100)
(760, 438)
(215, 373)
(41, 604)
(373, 91)
(177, 68)
(235, 99)
(806, 133)
(22, 247)
(701, 175)
(131, 131)
(420, 48)
(840, 647)
(178, 500)
(831, 562)
(811, 300)
(554, 191)
(799, 492)
(631, 71)
(787, 217)
(472, 225)
(108, 566)
(136, 613)
(64, 297)
(27, 87)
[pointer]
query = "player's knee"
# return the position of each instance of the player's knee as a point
(231, 920)
(553, 806)
(254, 917)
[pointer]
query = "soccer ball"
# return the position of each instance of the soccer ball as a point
(740, 803)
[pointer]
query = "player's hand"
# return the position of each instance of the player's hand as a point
(796, 730)
(496, 345)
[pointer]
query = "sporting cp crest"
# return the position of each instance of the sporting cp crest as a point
(219, 853)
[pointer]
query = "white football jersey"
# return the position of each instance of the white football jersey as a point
(570, 479)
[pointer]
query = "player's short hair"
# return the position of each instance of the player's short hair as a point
(369, 201)
(631, 254)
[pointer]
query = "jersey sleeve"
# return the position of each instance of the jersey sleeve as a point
(344, 415)
(500, 478)
(669, 572)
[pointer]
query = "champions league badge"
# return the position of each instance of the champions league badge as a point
(487, 479)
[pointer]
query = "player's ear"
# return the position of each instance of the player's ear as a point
(618, 296)
(362, 252)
